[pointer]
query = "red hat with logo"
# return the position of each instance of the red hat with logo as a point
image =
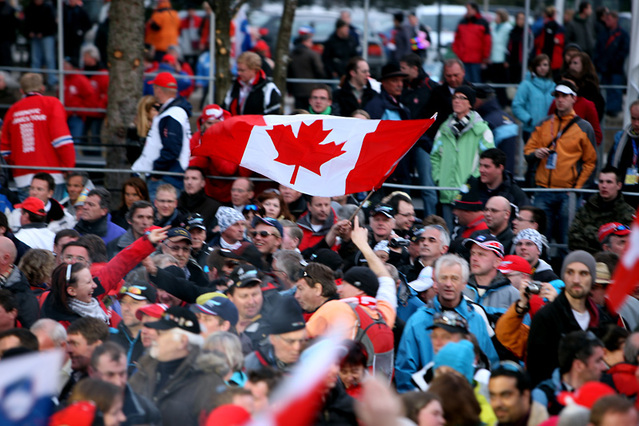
(33, 205)
(165, 79)
(612, 228)
(513, 263)
(154, 310)
(214, 112)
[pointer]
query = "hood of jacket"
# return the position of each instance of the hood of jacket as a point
(500, 280)
(180, 102)
(305, 222)
(542, 84)
(16, 281)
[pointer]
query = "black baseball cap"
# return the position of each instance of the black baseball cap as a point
(176, 317)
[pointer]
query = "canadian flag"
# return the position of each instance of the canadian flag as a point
(626, 276)
(317, 155)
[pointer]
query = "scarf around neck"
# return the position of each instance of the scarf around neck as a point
(91, 309)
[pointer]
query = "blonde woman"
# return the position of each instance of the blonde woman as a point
(148, 108)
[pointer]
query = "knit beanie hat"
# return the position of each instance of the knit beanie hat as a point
(362, 278)
(532, 235)
(468, 92)
(227, 216)
(581, 257)
(459, 356)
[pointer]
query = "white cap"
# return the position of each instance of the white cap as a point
(565, 90)
(424, 281)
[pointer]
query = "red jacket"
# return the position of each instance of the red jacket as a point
(624, 380)
(472, 42)
(100, 84)
(79, 93)
(311, 238)
(35, 133)
(550, 41)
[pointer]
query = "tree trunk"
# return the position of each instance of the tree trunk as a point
(126, 67)
(223, 15)
(282, 46)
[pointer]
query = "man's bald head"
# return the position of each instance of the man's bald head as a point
(7, 248)
(497, 214)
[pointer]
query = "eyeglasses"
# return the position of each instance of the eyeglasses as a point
(521, 219)
(69, 258)
(460, 98)
(262, 234)
(134, 289)
(291, 342)
(178, 248)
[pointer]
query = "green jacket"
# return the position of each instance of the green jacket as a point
(596, 212)
(454, 160)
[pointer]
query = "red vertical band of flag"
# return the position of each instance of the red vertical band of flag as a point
(382, 151)
(626, 276)
(228, 139)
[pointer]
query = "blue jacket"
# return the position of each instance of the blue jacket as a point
(532, 100)
(501, 124)
(613, 47)
(383, 107)
(416, 350)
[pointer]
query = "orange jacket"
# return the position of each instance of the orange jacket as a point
(575, 145)
(163, 28)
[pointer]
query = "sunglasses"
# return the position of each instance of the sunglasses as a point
(262, 234)
(134, 289)
(511, 366)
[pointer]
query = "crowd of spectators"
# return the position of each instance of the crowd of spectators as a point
(194, 297)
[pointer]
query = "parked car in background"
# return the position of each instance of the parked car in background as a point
(323, 23)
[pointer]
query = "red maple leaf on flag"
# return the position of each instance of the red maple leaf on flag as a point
(306, 150)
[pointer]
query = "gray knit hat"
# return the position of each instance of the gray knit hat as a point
(581, 257)
(227, 216)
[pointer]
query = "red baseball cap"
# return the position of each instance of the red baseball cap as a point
(514, 263)
(611, 228)
(164, 79)
(154, 310)
(587, 395)
(169, 58)
(33, 205)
